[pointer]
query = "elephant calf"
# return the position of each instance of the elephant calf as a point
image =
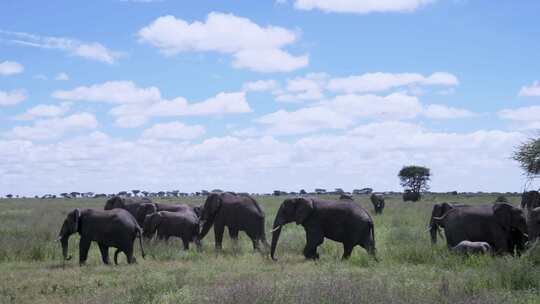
(109, 228)
(468, 247)
(184, 225)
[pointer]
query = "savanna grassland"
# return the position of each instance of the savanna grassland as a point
(410, 270)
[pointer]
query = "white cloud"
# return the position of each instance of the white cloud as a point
(361, 6)
(299, 89)
(377, 82)
(525, 118)
(53, 128)
(119, 92)
(10, 98)
(93, 162)
(10, 68)
(260, 86)
(173, 130)
(89, 50)
(44, 110)
(62, 76)
(438, 111)
(533, 90)
(341, 112)
(252, 46)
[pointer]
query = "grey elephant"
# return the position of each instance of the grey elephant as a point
(533, 223)
(495, 224)
(184, 225)
(530, 200)
(468, 247)
(377, 199)
(341, 221)
(109, 228)
(132, 205)
(237, 213)
(438, 211)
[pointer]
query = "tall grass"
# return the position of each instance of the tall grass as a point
(410, 269)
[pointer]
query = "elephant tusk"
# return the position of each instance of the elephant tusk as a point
(58, 239)
(427, 228)
(276, 228)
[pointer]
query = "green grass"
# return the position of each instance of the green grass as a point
(410, 269)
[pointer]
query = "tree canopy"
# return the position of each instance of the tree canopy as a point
(415, 178)
(528, 156)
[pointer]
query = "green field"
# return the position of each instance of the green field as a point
(410, 270)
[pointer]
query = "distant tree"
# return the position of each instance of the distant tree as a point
(135, 192)
(9, 195)
(204, 192)
(217, 191)
(74, 194)
(320, 191)
(415, 179)
(339, 191)
(144, 193)
(363, 191)
(122, 193)
(528, 157)
(303, 192)
(175, 193)
(65, 195)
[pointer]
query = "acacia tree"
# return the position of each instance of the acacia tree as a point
(415, 179)
(528, 156)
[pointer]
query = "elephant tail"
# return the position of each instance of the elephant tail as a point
(116, 256)
(263, 234)
(139, 235)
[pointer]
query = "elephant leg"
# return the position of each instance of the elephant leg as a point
(347, 250)
(254, 240)
(129, 254)
(218, 235)
(313, 240)
(233, 233)
(84, 246)
(104, 253)
(185, 242)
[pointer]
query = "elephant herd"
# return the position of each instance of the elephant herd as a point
(499, 228)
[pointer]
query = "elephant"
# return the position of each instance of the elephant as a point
(530, 200)
(346, 197)
(438, 211)
(411, 196)
(468, 247)
(377, 199)
(341, 221)
(237, 213)
(495, 224)
(184, 225)
(533, 223)
(109, 228)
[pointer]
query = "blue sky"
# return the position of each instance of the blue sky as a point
(252, 96)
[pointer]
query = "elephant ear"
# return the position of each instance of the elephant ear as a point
(75, 219)
(156, 220)
(304, 207)
(503, 214)
(444, 208)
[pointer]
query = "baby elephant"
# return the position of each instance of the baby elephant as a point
(468, 247)
(184, 225)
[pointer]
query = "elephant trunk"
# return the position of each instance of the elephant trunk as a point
(64, 241)
(276, 231)
(204, 227)
(433, 229)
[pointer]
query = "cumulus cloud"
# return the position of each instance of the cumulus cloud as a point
(530, 91)
(341, 112)
(260, 86)
(361, 6)
(118, 92)
(439, 111)
(173, 130)
(261, 164)
(377, 82)
(310, 87)
(256, 48)
(10, 98)
(89, 50)
(10, 68)
(53, 128)
(62, 76)
(136, 105)
(524, 117)
(44, 111)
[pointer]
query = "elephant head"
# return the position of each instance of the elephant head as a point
(198, 210)
(438, 211)
(533, 223)
(208, 212)
(150, 224)
(510, 217)
(530, 199)
(70, 226)
(292, 209)
(115, 202)
(143, 210)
